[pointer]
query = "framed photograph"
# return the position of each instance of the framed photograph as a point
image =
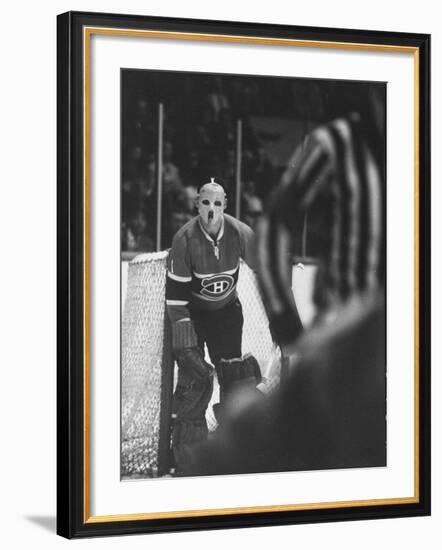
(243, 274)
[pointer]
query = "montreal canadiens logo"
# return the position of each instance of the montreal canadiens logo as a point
(217, 286)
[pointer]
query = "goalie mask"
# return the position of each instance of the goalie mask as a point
(211, 204)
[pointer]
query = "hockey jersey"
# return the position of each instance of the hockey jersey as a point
(203, 271)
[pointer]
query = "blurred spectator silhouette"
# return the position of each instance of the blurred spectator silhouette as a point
(217, 99)
(171, 173)
(194, 171)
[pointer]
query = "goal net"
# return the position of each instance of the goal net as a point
(147, 367)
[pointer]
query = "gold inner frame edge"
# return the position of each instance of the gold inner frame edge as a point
(87, 33)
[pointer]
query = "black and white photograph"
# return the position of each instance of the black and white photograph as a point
(220, 292)
(243, 270)
(253, 274)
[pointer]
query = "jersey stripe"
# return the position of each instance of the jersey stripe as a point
(203, 275)
(178, 278)
(177, 303)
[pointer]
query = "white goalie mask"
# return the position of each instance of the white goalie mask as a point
(211, 204)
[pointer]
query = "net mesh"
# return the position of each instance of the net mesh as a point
(256, 338)
(142, 352)
(143, 355)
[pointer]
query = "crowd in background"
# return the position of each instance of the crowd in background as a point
(200, 114)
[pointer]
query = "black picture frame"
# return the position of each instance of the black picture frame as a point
(73, 515)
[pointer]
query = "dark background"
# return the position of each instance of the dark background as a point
(200, 141)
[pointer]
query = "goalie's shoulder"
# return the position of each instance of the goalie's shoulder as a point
(186, 231)
(240, 227)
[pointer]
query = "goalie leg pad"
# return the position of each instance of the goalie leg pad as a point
(189, 427)
(242, 371)
(183, 335)
(238, 379)
(187, 435)
(191, 397)
(191, 361)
